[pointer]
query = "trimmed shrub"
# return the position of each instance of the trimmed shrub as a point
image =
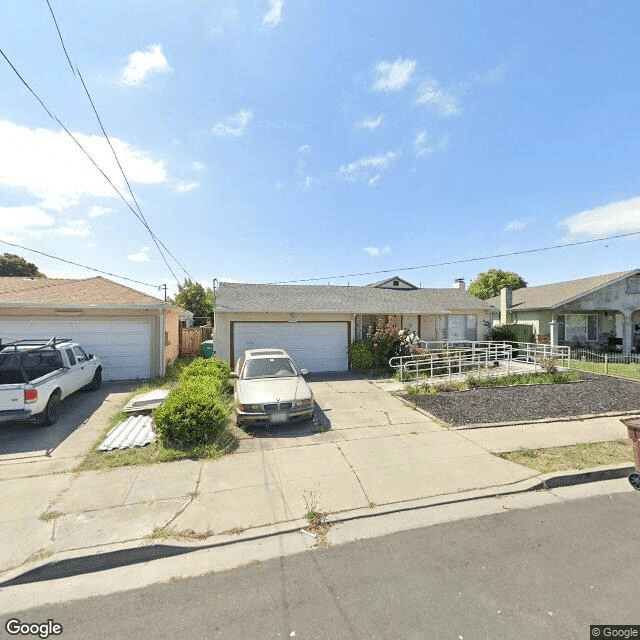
(195, 414)
(360, 356)
(203, 367)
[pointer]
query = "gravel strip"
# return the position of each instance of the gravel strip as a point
(597, 394)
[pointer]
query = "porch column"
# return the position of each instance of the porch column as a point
(627, 334)
(553, 329)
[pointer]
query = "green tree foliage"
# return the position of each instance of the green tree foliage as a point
(13, 266)
(488, 284)
(193, 297)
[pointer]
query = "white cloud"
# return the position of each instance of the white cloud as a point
(180, 186)
(376, 251)
(305, 150)
(517, 225)
(279, 185)
(364, 166)
(50, 167)
(97, 210)
(372, 182)
(198, 166)
(370, 123)
(615, 217)
(393, 76)
(432, 95)
(141, 64)
(141, 256)
(273, 17)
(235, 125)
(75, 228)
(423, 147)
(26, 218)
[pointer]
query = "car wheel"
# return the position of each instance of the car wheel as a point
(96, 381)
(52, 411)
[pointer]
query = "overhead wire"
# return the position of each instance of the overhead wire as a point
(463, 260)
(77, 264)
(95, 164)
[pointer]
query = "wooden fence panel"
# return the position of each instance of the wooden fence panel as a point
(191, 339)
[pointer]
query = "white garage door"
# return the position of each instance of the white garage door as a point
(316, 346)
(124, 347)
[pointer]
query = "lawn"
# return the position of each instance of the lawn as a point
(572, 458)
(613, 369)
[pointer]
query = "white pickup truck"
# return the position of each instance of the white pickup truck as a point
(36, 375)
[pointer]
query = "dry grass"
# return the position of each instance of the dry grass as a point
(573, 458)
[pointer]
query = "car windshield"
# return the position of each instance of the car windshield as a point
(269, 368)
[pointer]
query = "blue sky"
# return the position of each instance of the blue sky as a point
(271, 140)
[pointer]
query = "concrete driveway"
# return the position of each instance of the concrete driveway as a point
(27, 449)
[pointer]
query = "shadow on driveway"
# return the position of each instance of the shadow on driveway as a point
(21, 438)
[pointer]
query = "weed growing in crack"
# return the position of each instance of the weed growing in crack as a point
(49, 515)
(318, 527)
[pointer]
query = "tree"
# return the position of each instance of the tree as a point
(488, 284)
(193, 297)
(13, 266)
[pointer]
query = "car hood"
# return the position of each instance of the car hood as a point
(264, 390)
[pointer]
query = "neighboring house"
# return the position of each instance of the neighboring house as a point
(133, 333)
(577, 311)
(316, 324)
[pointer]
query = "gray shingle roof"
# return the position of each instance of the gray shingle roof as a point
(234, 296)
(547, 296)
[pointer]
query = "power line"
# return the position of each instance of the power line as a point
(77, 264)
(113, 186)
(115, 155)
(450, 262)
(61, 39)
(124, 175)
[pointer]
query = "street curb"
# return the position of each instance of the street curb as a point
(585, 416)
(535, 483)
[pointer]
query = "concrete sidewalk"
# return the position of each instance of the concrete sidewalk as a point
(378, 451)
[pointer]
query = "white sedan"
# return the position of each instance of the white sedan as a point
(269, 387)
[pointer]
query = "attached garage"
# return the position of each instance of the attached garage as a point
(134, 334)
(123, 346)
(316, 346)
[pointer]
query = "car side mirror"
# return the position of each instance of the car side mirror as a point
(91, 356)
(304, 372)
(234, 375)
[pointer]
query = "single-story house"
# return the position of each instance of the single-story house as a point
(317, 323)
(134, 334)
(577, 311)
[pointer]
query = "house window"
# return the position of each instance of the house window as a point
(574, 327)
(462, 327)
(633, 285)
(396, 283)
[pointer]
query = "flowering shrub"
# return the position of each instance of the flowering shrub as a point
(386, 340)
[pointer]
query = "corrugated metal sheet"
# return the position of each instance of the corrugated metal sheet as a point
(135, 431)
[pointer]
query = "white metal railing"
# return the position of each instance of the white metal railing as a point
(452, 360)
(444, 359)
(533, 353)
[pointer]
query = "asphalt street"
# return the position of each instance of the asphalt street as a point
(541, 573)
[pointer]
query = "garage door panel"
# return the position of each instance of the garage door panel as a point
(316, 346)
(123, 347)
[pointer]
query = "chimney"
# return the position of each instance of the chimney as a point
(458, 283)
(506, 302)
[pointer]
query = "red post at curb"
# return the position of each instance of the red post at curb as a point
(633, 430)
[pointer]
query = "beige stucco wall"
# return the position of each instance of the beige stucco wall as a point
(172, 333)
(432, 327)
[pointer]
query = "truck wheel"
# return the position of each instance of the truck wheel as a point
(96, 381)
(52, 411)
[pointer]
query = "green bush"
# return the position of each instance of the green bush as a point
(195, 414)
(360, 356)
(210, 367)
(503, 333)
